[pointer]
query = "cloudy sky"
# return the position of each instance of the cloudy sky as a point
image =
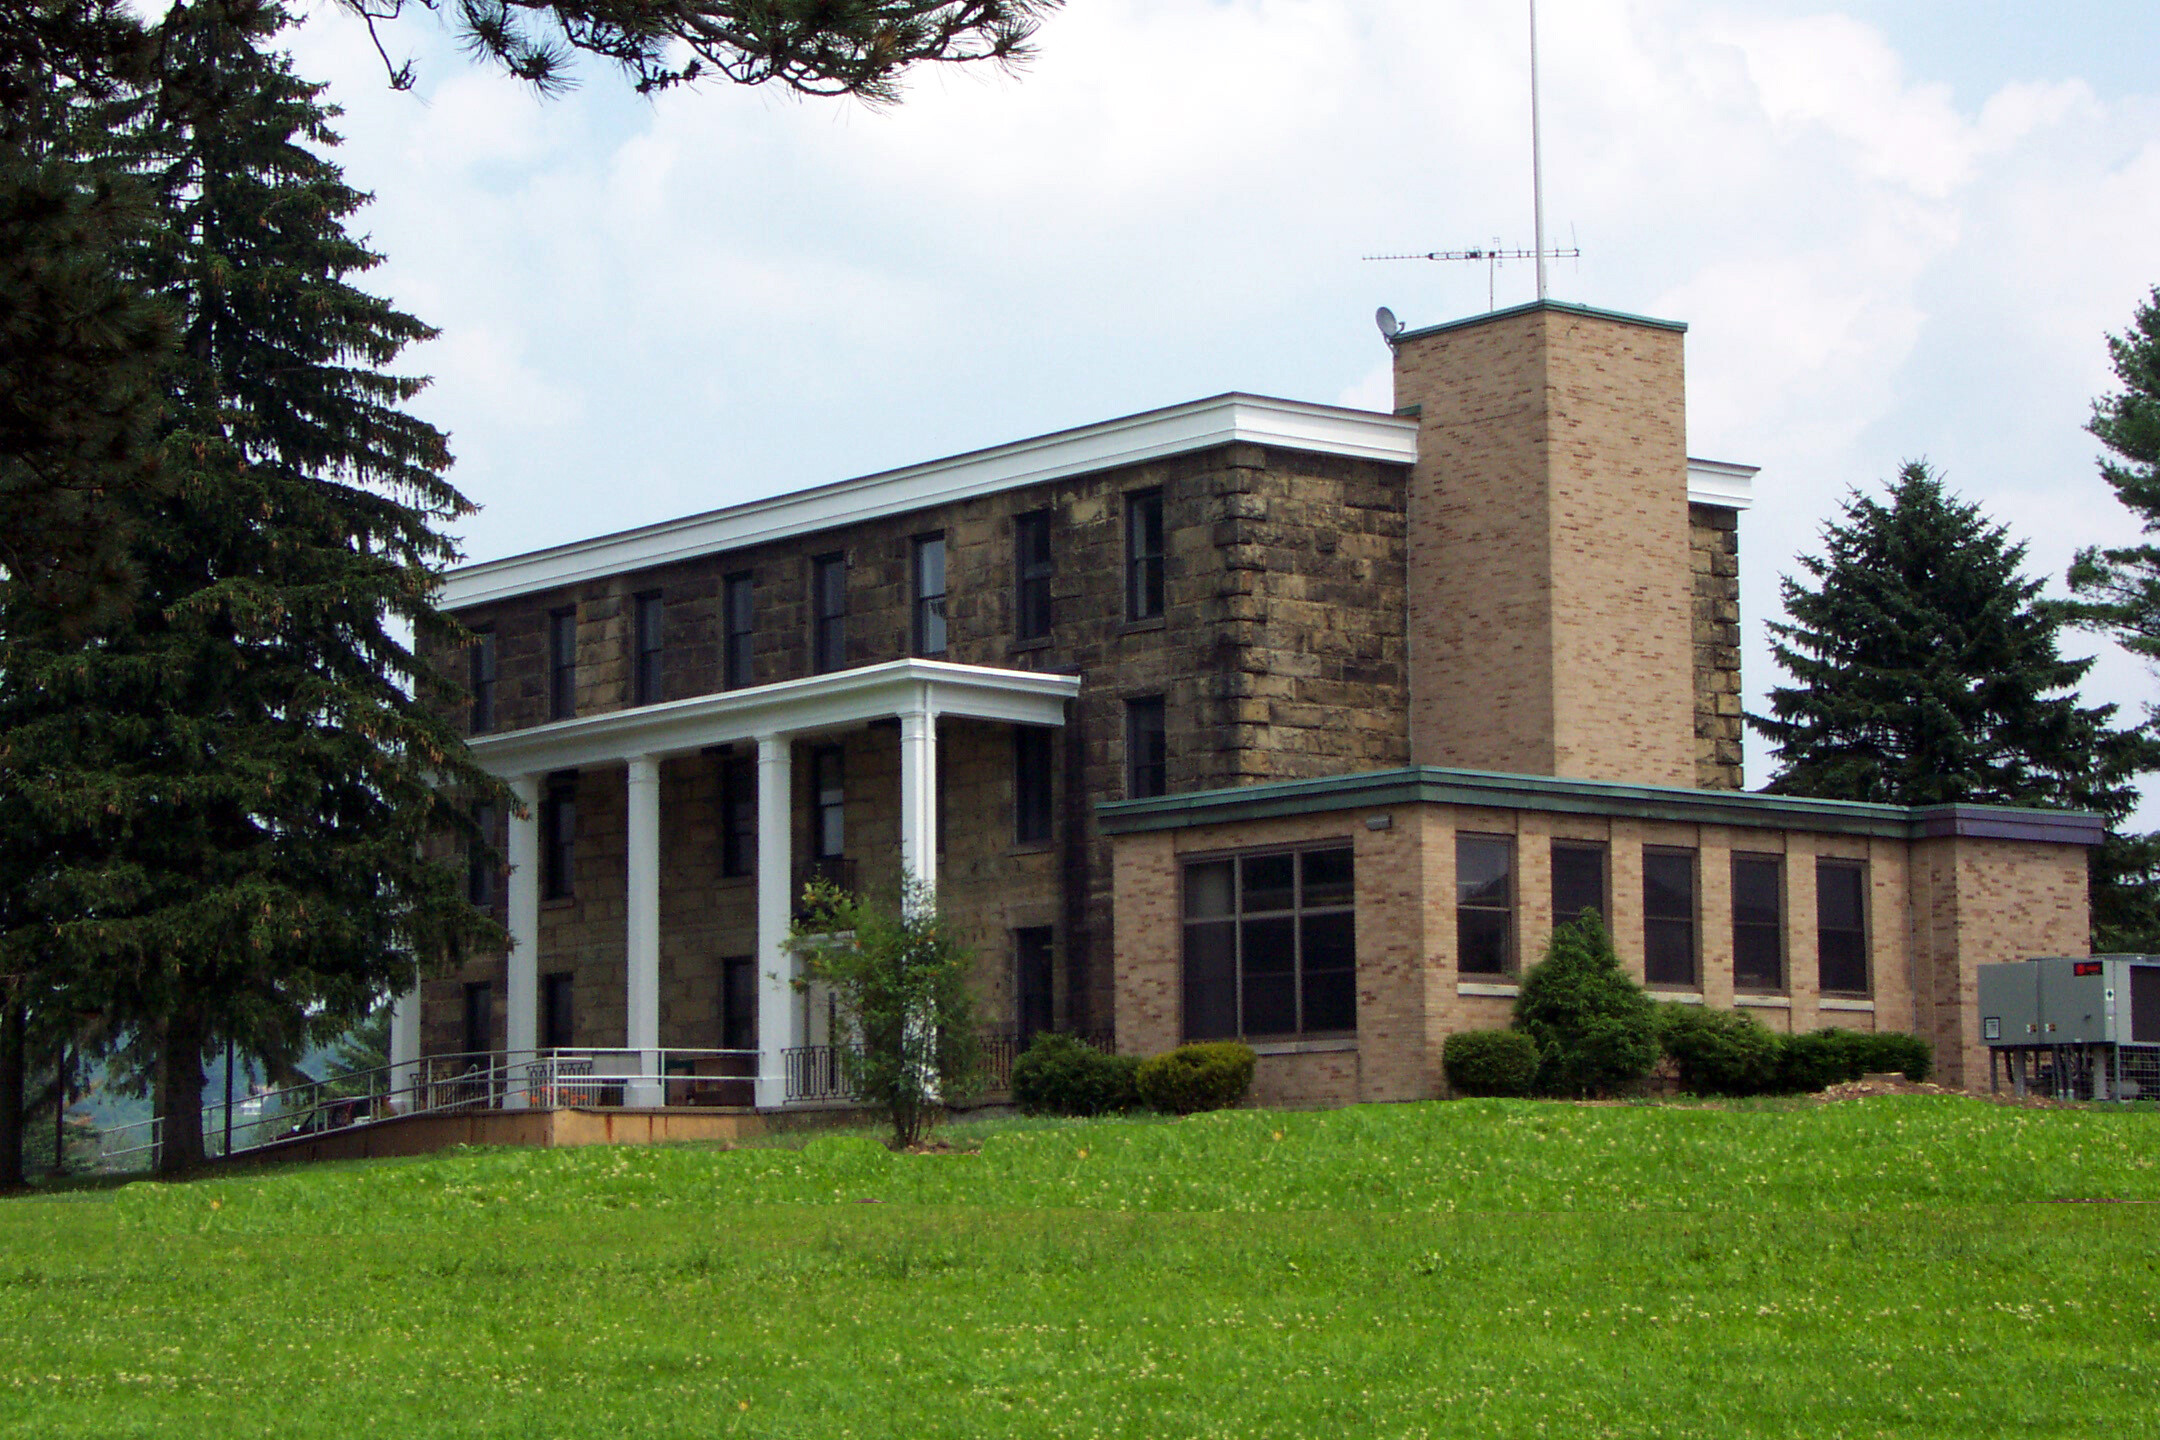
(1896, 228)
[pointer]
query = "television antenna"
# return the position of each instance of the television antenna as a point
(1495, 254)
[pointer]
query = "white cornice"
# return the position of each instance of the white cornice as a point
(841, 700)
(1153, 435)
(1721, 483)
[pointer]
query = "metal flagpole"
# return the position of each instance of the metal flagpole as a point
(1537, 158)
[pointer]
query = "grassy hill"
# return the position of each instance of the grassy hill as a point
(1898, 1266)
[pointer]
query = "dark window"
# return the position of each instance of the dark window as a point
(1270, 946)
(1032, 972)
(738, 815)
(1147, 749)
(1143, 555)
(645, 676)
(1758, 922)
(828, 600)
(738, 1003)
(562, 664)
(740, 599)
(1484, 905)
(1032, 779)
(480, 859)
(1578, 880)
(479, 1018)
(557, 1019)
(1669, 918)
(1032, 568)
(558, 837)
(1841, 926)
(929, 595)
(828, 782)
(481, 682)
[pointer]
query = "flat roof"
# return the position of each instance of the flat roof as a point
(1133, 439)
(1747, 808)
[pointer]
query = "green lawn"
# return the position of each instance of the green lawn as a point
(1884, 1267)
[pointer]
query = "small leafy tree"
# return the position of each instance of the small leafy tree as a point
(1595, 1029)
(901, 978)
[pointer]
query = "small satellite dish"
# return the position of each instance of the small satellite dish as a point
(1390, 327)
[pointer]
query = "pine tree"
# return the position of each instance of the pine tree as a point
(1929, 673)
(238, 785)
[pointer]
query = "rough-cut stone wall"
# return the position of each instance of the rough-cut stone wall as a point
(1714, 546)
(1551, 591)
(1280, 655)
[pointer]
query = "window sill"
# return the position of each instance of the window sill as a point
(1018, 646)
(1304, 1047)
(1677, 997)
(1763, 1002)
(560, 902)
(1032, 847)
(1844, 1002)
(1498, 989)
(1136, 627)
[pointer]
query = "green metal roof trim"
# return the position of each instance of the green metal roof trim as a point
(1563, 307)
(1431, 784)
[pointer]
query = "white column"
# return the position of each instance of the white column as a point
(641, 949)
(404, 1049)
(918, 795)
(521, 1010)
(779, 1015)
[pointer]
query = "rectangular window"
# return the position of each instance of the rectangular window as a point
(557, 1028)
(1484, 905)
(1032, 781)
(1032, 973)
(1841, 927)
(929, 573)
(1758, 922)
(1147, 749)
(562, 664)
(480, 861)
(479, 1018)
(739, 600)
(481, 681)
(558, 837)
(828, 782)
(828, 602)
(1270, 946)
(1143, 555)
(1669, 918)
(738, 1003)
(1578, 880)
(646, 641)
(1032, 569)
(738, 815)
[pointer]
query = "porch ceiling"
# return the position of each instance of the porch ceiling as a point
(815, 703)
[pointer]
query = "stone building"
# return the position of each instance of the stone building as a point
(1245, 717)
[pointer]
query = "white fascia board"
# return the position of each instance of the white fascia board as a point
(843, 700)
(1721, 483)
(1154, 435)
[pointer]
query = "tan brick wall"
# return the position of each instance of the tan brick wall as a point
(1981, 902)
(1937, 910)
(1552, 594)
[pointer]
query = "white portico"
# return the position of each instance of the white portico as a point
(914, 692)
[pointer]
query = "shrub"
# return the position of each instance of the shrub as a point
(1828, 1057)
(1887, 1050)
(1719, 1052)
(1490, 1062)
(1059, 1075)
(1196, 1077)
(1594, 1028)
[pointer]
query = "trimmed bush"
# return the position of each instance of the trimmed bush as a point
(1209, 1076)
(1829, 1057)
(1719, 1052)
(1490, 1062)
(1887, 1050)
(1060, 1075)
(1595, 1029)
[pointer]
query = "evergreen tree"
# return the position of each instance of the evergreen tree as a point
(236, 787)
(1928, 673)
